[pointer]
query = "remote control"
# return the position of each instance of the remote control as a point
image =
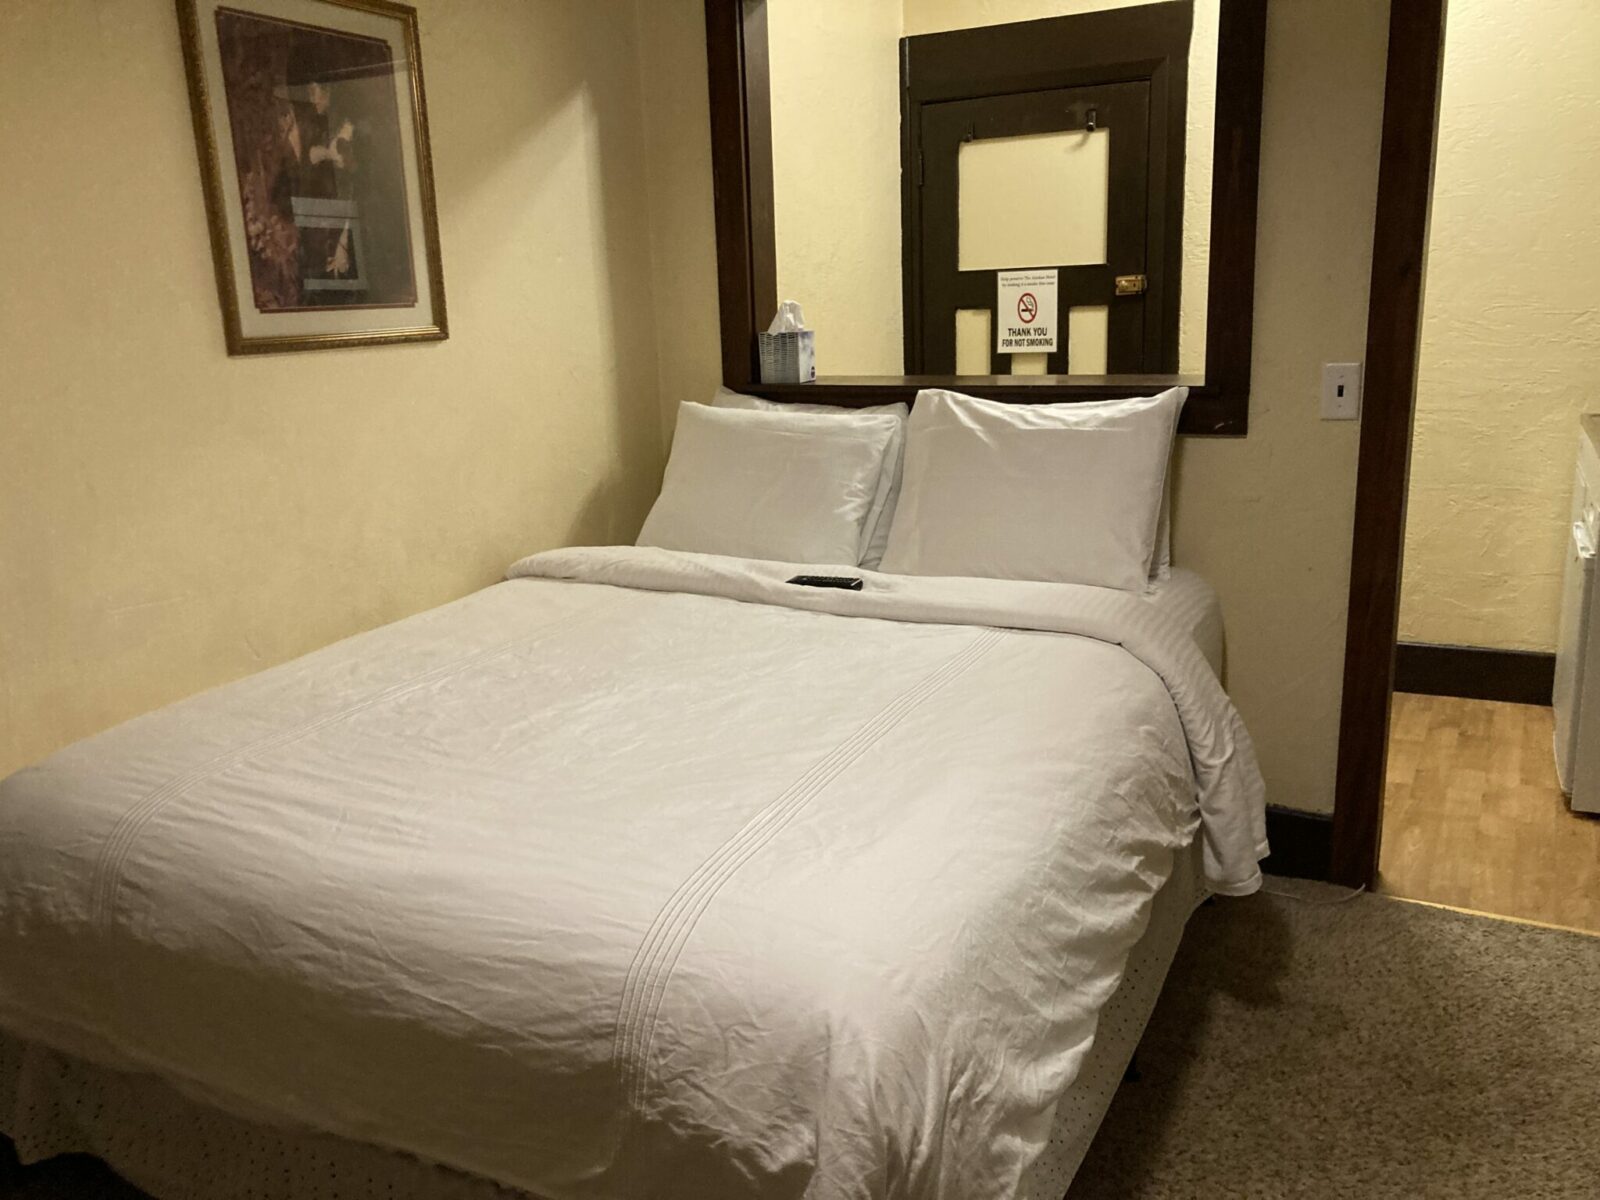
(846, 582)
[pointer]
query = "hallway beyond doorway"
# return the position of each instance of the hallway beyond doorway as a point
(1473, 816)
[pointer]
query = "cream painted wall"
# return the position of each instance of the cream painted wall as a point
(677, 162)
(171, 518)
(1267, 518)
(835, 68)
(1511, 333)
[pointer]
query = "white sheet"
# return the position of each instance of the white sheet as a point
(1191, 603)
(592, 887)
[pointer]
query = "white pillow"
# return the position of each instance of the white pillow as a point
(793, 487)
(881, 515)
(1065, 493)
(1161, 566)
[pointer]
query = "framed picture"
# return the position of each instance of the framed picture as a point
(312, 131)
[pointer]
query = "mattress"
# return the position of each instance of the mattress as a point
(641, 870)
(177, 1149)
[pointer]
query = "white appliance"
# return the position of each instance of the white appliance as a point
(1577, 683)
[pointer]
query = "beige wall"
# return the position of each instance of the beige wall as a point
(171, 518)
(1266, 518)
(836, 176)
(1511, 335)
(677, 162)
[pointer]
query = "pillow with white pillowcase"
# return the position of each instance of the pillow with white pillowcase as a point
(787, 486)
(1065, 493)
(883, 505)
(1161, 567)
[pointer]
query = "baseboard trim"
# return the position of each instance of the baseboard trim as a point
(1302, 844)
(1475, 673)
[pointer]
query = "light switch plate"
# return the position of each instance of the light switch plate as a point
(1341, 391)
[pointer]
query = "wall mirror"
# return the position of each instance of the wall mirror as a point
(1041, 201)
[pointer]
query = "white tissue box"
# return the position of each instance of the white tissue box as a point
(788, 357)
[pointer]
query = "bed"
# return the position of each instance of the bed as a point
(640, 873)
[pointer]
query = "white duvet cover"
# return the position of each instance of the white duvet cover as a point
(641, 874)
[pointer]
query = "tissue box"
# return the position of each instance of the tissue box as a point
(788, 357)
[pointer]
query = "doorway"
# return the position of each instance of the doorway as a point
(1465, 578)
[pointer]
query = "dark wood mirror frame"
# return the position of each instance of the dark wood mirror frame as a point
(747, 276)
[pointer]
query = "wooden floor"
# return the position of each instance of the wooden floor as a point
(1473, 816)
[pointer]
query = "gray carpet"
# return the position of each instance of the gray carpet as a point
(1374, 1049)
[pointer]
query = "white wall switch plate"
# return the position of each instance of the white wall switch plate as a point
(1341, 391)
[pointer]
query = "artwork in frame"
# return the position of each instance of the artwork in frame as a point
(312, 131)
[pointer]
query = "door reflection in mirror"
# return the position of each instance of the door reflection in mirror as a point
(919, 147)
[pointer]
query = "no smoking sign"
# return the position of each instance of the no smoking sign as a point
(1025, 304)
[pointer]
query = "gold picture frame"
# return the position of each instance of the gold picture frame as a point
(311, 127)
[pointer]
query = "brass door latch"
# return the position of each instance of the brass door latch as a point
(1130, 285)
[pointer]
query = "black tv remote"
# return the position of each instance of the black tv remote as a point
(846, 582)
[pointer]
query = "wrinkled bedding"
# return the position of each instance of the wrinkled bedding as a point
(641, 874)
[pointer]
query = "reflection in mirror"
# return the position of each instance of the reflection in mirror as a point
(923, 147)
(1000, 182)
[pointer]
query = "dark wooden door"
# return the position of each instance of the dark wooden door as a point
(1121, 111)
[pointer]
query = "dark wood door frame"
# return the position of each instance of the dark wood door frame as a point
(741, 167)
(1394, 334)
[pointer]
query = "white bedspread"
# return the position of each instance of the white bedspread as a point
(641, 874)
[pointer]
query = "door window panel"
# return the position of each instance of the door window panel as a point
(1036, 200)
(1088, 327)
(974, 336)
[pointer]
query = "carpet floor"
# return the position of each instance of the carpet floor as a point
(1311, 1049)
(1373, 1049)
